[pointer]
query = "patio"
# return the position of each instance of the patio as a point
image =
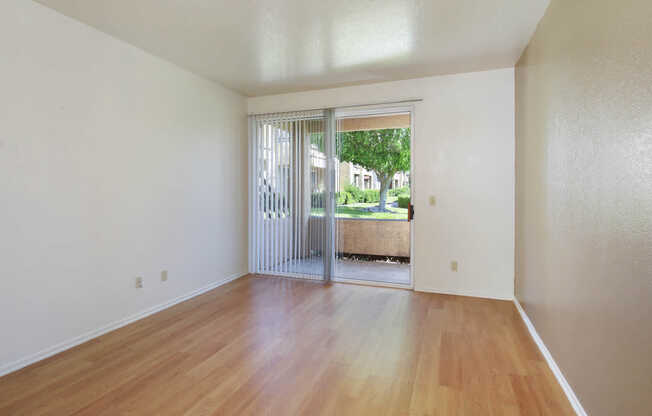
(372, 271)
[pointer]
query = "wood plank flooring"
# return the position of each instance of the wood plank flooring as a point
(274, 346)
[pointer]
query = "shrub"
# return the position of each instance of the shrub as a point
(317, 200)
(341, 198)
(371, 195)
(399, 191)
(344, 198)
(403, 201)
(356, 193)
(272, 202)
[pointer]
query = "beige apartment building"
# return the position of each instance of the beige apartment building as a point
(350, 174)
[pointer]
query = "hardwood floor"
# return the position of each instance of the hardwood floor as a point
(274, 346)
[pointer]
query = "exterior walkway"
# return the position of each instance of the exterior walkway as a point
(372, 271)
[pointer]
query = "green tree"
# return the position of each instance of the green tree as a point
(385, 152)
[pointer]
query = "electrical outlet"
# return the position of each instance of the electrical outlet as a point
(139, 282)
(432, 200)
(164, 276)
(454, 265)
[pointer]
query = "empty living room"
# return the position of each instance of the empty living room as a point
(305, 207)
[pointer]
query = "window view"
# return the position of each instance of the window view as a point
(373, 174)
(372, 228)
(372, 197)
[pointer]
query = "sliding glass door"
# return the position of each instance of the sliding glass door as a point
(372, 220)
(328, 195)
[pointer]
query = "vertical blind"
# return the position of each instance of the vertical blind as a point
(291, 183)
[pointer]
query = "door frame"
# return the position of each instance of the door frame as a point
(378, 110)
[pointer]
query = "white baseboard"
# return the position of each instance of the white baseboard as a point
(463, 293)
(48, 352)
(570, 394)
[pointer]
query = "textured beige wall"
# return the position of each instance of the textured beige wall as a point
(584, 197)
(366, 236)
(377, 237)
(374, 123)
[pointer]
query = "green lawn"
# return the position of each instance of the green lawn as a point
(355, 211)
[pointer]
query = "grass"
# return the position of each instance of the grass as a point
(357, 211)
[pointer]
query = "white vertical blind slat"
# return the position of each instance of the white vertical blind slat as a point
(275, 196)
(284, 202)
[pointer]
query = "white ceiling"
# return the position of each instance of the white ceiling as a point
(260, 47)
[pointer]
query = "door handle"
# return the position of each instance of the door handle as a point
(410, 212)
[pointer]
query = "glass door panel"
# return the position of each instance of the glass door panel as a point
(372, 229)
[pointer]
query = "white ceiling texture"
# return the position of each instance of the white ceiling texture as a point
(260, 47)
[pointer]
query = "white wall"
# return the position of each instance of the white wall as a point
(464, 155)
(113, 164)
